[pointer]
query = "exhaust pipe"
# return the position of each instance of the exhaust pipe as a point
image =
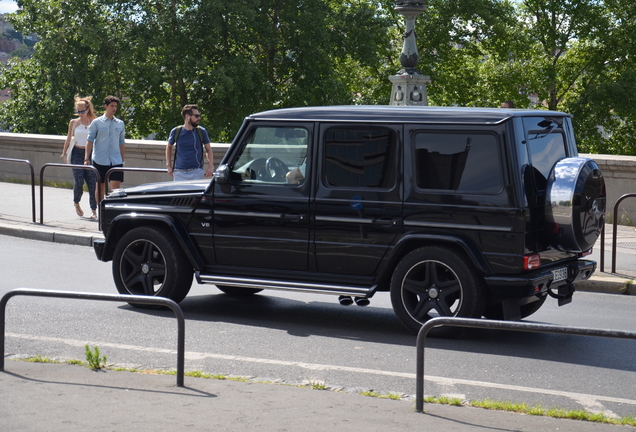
(345, 300)
(361, 301)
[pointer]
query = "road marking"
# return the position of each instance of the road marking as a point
(582, 398)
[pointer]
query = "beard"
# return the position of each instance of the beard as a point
(195, 123)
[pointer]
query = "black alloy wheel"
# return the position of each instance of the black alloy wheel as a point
(435, 281)
(149, 261)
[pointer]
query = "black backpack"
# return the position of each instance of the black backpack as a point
(177, 132)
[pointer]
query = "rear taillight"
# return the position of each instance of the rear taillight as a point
(586, 253)
(531, 262)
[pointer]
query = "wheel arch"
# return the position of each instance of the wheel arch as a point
(411, 242)
(123, 223)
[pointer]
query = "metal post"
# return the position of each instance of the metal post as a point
(84, 167)
(498, 325)
(159, 301)
(26, 161)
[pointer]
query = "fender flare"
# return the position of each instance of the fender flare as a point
(123, 223)
(413, 241)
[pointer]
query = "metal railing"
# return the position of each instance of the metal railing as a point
(83, 167)
(110, 171)
(26, 161)
(615, 225)
(158, 301)
(498, 325)
(614, 234)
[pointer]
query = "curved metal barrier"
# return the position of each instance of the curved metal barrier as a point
(614, 225)
(497, 325)
(158, 301)
(26, 161)
(107, 177)
(629, 195)
(84, 167)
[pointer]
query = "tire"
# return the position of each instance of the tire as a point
(435, 281)
(149, 261)
(495, 311)
(575, 204)
(237, 291)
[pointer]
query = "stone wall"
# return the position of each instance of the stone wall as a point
(42, 149)
(619, 171)
(620, 179)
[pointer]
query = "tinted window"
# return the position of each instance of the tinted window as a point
(461, 161)
(360, 157)
(546, 142)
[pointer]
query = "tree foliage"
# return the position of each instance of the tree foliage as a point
(231, 58)
(242, 56)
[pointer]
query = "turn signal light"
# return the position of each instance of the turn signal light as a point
(531, 261)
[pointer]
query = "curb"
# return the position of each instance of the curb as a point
(47, 234)
(608, 284)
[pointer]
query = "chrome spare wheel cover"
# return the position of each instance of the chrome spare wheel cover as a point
(575, 204)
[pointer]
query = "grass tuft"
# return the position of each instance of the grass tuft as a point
(93, 359)
(40, 359)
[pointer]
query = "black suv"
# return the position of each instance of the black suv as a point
(454, 211)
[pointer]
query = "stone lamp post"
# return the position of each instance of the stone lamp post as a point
(409, 85)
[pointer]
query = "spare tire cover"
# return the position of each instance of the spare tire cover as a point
(575, 204)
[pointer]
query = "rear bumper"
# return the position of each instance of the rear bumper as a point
(538, 281)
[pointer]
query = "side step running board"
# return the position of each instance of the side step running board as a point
(338, 290)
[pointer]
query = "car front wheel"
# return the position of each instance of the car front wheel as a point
(149, 261)
(435, 281)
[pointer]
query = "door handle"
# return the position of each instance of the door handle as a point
(386, 221)
(294, 217)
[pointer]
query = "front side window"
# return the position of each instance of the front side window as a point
(360, 157)
(273, 154)
(458, 161)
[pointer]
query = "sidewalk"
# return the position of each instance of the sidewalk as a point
(61, 397)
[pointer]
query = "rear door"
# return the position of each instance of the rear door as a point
(358, 205)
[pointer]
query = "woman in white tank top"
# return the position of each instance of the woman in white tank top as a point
(78, 128)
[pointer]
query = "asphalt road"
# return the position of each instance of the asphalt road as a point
(298, 337)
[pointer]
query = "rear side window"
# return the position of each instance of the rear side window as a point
(545, 139)
(458, 161)
(362, 157)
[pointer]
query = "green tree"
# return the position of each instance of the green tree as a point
(76, 54)
(231, 58)
(575, 56)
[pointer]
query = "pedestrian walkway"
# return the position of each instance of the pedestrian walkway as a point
(61, 397)
(65, 398)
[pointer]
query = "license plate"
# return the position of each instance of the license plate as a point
(560, 274)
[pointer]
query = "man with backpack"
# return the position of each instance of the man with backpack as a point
(191, 142)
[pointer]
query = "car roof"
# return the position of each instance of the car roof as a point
(401, 114)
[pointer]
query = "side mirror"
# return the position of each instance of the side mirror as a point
(222, 174)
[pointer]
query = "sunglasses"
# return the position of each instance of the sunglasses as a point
(81, 111)
(196, 115)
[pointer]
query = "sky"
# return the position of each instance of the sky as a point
(7, 6)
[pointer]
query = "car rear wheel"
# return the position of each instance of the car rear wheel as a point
(435, 281)
(149, 261)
